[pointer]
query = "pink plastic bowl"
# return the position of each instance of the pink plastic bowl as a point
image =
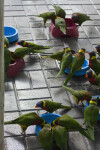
(72, 30)
(15, 68)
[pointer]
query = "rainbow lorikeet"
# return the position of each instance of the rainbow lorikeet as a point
(93, 78)
(97, 48)
(47, 15)
(6, 42)
(70, 124)
(79, 95)
(79, 18)
(76, 64)
(61, 24)
(91, 114)
(94, 64)
(51, 106)
(59, 11)
(45, 137)
(60, 136)
(32, 45)
(66, 60)
(27, 120)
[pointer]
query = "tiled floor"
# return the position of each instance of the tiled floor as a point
(37, 80)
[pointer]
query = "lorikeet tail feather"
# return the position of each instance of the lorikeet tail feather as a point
(59, 73)
(9, 122)
(91, 132)
(68, 78)
(66, 107)
(44, 56)
(63, 29)
(38, 16)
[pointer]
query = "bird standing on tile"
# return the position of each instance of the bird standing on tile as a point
(59, 11)
(45, 137)
(76, 64)
(46, 16)
(79, 18)
(70, 124)
(61, 24)
(91, 114)
(94, 64)
(27, 120)
(51, 106)
(93, 78)
(66, 60)
(79, 95)
(60, 136)
(97, 48)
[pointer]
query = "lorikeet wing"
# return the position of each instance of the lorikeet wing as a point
(61, 23)
(7, 58)
(59, 11)
(6, 42)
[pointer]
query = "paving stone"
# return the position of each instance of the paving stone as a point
(30, 10)
(34, 66)
(31, 94)
(14, 13)
(95, 40)
(41, 9)
(95, 1)
(36, 24)
(10, 116)
(78, 8)
(51, 1)
(33, 142)
(55, 82)
(22, 22)
(25, 37)
(12, 8)
(90, 9)
(58, 42)
(10, 101)
(8, 86)
(38, 33)
(91, 31)
(31, 2)
(49, 64)
(79, 2)
(24, 31)
(9, 21)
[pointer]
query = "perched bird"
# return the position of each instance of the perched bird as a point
(79, 95)
(93, 78)
(91, 114)
(59, 11)
(97, 48)
(6, 42)
(27, 120)
(66, 60)
(70, 124)
(94, 64)
(46, 16)
(51, 106)
(60, 136)
(79, 18)
(46, 137)
(76, 64)
(61, 24)
(57, 55)
(32, 45)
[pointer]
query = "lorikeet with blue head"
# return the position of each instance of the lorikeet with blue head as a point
(66, 60)
(76, 64)
(91, 114)
(97, 48)
(60, 136)
(70, 124)
(79, 18)
(94, 64)
(61, 24)
(79, 95)
(59, 11)
(27, 120)
(93, 78)
(51, 106)
(47, 15)
(45, 137)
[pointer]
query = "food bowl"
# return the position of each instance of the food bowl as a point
(11, 33)
(83, 70)
(98, 103)
(49, 118)
(71, 30)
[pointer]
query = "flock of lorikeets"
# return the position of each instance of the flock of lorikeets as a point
(60, 126)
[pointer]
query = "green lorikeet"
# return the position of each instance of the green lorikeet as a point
(76, 64)
(56, 56)
(6, 42)
(94, 64)
(91, 114)
(61, 24)
(70, 124)
(60, 136)
(66, 61)
(79, 18)
(32, 45)
(27, 120)
(47, 15)
(46, 137)
(59, 11)
(93, 78)
(79, 95)
(51, 106)
(97, 48)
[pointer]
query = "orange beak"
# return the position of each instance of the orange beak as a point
(86, 75)
(88, 52)
(36, 107)
(95, 49)
(16, 43)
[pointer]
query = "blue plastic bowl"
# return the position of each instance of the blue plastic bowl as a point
(49, 118)
(81, 72)
(87, 104)
(11, 33)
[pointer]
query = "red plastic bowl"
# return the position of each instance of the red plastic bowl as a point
(72, 29)
(15, 68)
